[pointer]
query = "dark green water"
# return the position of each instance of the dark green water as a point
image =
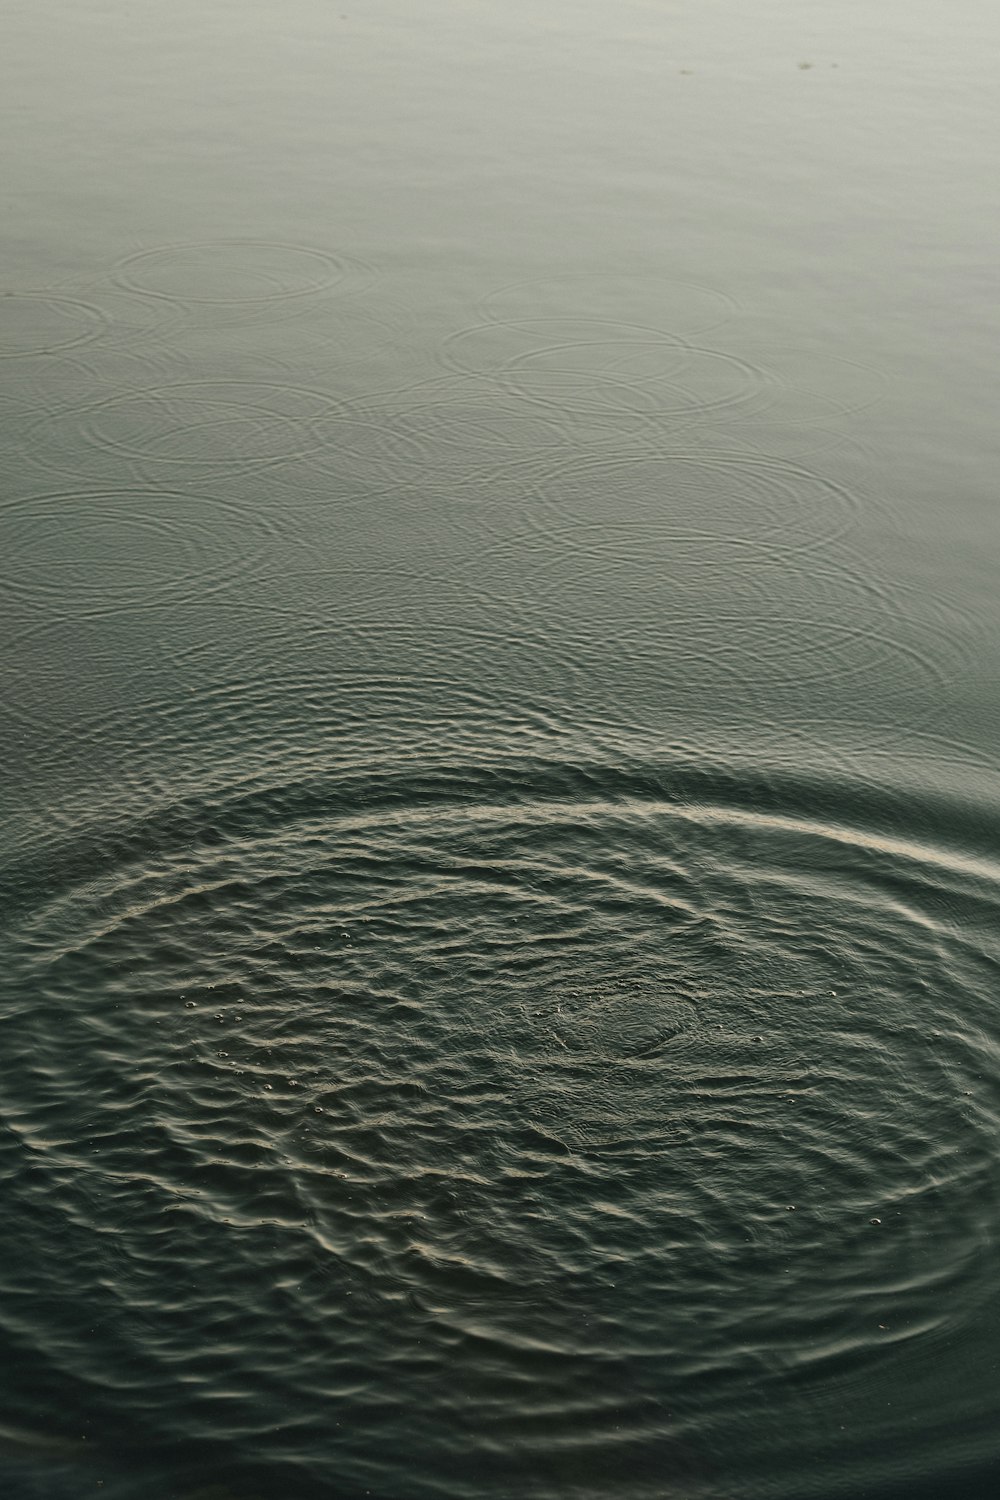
(499, 634)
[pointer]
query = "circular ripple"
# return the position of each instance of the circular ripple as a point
(608, 373)
(440, 442)
(602, 379)
(696, 500)
(211, 427)
(655, 303)
(580, 393)
(488, 348)
(225, 272)
(43, 323)
(105, 548)
(465, 1091)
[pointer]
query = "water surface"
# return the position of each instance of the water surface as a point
(499, 636)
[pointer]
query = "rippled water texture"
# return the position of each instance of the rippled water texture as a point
(439, 1086)
(500, 895)
(513, 1120)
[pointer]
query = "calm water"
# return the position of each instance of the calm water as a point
(499, 633)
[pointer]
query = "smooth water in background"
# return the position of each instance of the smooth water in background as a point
(500, 871)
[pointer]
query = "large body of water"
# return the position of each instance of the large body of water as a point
(500, 870)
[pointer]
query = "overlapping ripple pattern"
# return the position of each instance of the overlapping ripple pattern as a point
(428, 1068)
(494, 1120)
